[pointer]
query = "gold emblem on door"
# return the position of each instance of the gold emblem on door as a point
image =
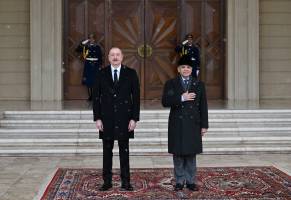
(145, 51)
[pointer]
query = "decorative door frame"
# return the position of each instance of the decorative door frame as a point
(242, 50)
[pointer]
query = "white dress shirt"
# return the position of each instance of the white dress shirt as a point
(118, 71)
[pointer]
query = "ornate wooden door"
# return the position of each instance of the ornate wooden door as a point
(147, 31)
(205, 20)
(81, 18)
(126, 31)
(161, 37)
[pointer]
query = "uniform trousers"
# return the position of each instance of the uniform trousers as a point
(194, 70)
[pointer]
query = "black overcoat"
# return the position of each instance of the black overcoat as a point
(186, 118)
(116, 104)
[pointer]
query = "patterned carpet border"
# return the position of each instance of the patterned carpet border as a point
(214, 183)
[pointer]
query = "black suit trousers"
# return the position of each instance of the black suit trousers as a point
(123, 158)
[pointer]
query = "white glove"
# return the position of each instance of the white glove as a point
(85, 41)
(185, 42)
(197, 72)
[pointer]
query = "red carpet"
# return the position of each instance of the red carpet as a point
(214, 183)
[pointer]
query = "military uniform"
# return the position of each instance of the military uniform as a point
(92, 55)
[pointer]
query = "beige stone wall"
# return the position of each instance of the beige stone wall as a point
(14, 50)
(275, 49)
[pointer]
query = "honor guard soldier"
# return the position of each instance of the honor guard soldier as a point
(192, 51)
(91, 53)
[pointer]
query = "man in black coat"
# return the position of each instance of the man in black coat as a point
(116, 108)
(188, 122)
(192, 51)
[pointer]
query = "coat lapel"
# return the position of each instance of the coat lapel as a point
(193, 84)
(179, 84)
(122, 76)
(109, 75)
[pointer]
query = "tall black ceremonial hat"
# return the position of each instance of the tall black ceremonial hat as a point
(185, 60)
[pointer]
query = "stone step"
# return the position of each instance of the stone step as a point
(225, 149)
(68, 126)
(155, 130)
(156, 135)
(144, 142)
(148, 114)
(139, 133)
(142, 117)
(151, 121)
(158, 123)
(214, 138)
(73, 132)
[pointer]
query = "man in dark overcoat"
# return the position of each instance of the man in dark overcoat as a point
(116, 108)
(187, 47)
(188, 122)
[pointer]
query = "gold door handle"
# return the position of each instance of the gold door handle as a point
(145, 51)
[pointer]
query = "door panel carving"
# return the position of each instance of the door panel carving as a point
(161, 35)
(82, 17)
(147, 31)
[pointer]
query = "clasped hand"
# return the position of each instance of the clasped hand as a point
(189, 96)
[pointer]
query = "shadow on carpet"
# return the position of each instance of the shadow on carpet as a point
(213, 182)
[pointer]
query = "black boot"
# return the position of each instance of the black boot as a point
(90, 91)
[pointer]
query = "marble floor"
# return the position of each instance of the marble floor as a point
(25, 178)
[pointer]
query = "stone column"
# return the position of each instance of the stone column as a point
(46, 50)
(242, 50)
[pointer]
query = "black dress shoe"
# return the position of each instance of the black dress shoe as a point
(89, 98)
(192, 187)
(105, 187)
(178, 187)
(126, 187)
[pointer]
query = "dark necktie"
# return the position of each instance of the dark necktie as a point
(115, 77)
(186, 84)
